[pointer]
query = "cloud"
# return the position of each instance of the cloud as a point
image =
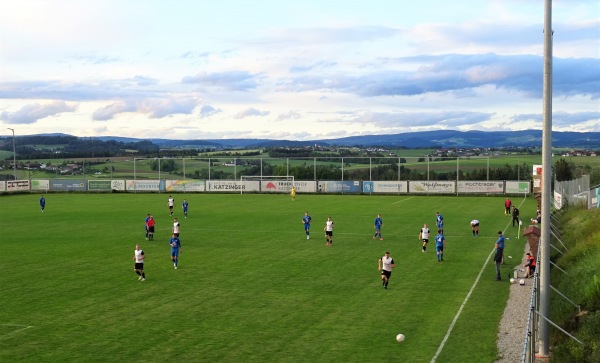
(208, 110)
(232, 80)
(31, 113)
(154, 108)
(84, 90)
(458, 72)
(250, 112)
(291, 115)
(386, 120)
(109, 111)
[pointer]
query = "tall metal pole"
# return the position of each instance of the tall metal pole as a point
(14, 153)
(544, 336)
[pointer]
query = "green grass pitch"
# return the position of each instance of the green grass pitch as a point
(250, 287)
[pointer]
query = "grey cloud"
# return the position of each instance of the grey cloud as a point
(313, 66)
(249, 112)
(561, 118)
(109, 111)
(154, 108)
(420, 119)
(208, 110)
(137, 86)
(29, 114)
(458, 72)
(291, 115)
(234, 80)
(165, 107)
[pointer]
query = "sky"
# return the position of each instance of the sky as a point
(293, 69)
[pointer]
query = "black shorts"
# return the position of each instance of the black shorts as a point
(170, 207)
(138, 266)
(425, 240)
(176, 234)
(151, 229)
(386, 273)
(475, 225)
(329, 233)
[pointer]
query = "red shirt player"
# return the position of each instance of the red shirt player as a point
(151, 223)
(507, 205)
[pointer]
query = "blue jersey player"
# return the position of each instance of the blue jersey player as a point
(439, 219)
(185, 206)
(440, 243)
(306, 220)
(42, 203)
(175, 249)
(377, 226)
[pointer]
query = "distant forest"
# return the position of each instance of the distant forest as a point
(45, 147)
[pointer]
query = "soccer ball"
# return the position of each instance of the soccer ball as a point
(522, 282)
(512, 280)
(400, 338)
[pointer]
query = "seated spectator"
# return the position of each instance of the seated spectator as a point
(537, 219)
(530, 265)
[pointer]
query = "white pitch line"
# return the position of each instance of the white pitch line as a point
(451, 327)
(403, 200)
(15, 331)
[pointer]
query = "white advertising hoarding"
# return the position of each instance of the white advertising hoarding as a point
(516, 187)
(227, 186)
(385, 186)
(480, 186)
(17, 185)
(185, 186)
(40, 184)
(432, 187)
(142, 185)
(284, 186)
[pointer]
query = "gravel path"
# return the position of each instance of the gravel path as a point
(511, 332)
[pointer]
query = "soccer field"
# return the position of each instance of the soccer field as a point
(250, 287)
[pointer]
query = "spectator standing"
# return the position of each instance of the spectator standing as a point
(499, 254)
(515, 216)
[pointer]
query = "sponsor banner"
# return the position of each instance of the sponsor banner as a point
(557, 200)
(40, 184)
(435, 187)
(118, 185)
(232, 186)
(306, 186)
(99, 185)
(276, 186)
(594, 198)
(516, 187)
(68, 185)
(480, 186)
(537, 183)
(284, 186)
(339, 186)
(17, 185)
(185, 185)
(2, 186)
(385, 187)
(152, 185)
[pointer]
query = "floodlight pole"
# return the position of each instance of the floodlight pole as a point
(544, 336)
(14, 153)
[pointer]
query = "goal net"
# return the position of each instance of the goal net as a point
(267, 184)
